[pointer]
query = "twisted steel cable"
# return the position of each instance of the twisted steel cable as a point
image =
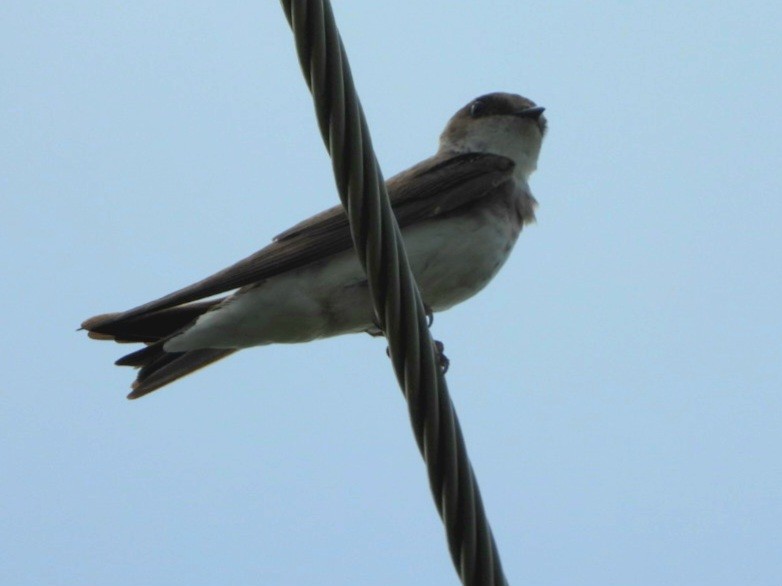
(397, 301)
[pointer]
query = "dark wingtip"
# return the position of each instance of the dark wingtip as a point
(137, 390)
(142, 388)
(97, 321)
(134, 394)
(99, 336)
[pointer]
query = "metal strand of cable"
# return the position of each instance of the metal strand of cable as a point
(398, 306)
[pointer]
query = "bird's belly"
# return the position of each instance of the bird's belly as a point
(320, 300)
(452, 258)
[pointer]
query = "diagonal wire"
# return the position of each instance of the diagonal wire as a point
(397, 301)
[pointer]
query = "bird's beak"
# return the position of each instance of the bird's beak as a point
(533, 113)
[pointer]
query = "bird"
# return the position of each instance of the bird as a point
(460, 213)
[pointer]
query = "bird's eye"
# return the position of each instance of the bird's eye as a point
(477, 108)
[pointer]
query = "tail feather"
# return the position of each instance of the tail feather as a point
(164, 367)
(157, 367)
(149, 327)
(143, 356)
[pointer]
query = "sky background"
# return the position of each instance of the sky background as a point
(619, 383)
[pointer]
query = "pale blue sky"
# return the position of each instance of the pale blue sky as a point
(619, 383)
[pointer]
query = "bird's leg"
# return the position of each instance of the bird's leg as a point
(442, 360)
(429, 315)
(375, 330)
(439, 347)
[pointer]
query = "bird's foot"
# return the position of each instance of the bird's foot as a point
(442, 359)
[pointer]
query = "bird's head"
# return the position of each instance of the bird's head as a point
(501, 124)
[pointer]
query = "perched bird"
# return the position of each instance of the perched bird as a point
(460, 212)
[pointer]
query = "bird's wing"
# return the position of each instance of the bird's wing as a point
(432, 188)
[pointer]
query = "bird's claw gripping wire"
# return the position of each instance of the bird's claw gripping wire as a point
(442, 360)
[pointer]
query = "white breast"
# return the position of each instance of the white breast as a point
(455, 258)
